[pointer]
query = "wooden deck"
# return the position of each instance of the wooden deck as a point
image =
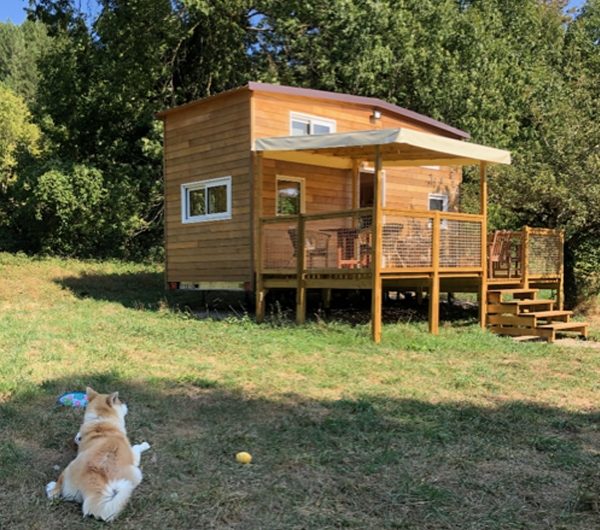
(422, 251)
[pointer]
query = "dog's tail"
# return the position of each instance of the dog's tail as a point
(108, 503)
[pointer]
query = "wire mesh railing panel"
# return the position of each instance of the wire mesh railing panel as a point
(342, 242)
(279, 245)
(406, 241)
(460, 243)
(544, 253)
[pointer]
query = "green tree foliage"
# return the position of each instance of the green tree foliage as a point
(518, 74)
(20, 49)
(18, 134)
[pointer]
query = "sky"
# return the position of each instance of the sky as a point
(13, 10)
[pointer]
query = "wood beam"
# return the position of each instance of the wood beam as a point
(483, 198)
(376, 250)
(434, 283)
(300, 266)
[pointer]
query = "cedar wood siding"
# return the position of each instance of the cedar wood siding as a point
(214, 138)
(330, 189)
(207, 140)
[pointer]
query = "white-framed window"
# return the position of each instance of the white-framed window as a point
(289, 195)
(206, 200)
(303, 124)
(438, 202)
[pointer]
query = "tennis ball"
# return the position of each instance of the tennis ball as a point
(243, 458)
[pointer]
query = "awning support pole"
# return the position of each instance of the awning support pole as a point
(376, 289)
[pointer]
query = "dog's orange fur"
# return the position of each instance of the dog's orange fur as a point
(105, 471)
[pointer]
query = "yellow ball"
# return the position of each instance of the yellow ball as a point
(243, 457)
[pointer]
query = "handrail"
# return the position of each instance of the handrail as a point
(429, 214)
(439, 229)
(316, 216)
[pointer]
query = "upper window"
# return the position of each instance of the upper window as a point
(290, 195)
(438, 202)
(206, 200)
(303, 124)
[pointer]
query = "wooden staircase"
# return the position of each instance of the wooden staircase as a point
(520, 314)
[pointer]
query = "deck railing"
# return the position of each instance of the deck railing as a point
(527, 254)
(343, 241)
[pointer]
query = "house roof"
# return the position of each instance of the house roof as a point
(373, 103)
(397, 147)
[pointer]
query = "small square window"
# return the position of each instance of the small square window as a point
(438, 202)
(206, 200)
(290, 196)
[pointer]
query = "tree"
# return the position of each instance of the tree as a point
(20, 49)
(18, 134)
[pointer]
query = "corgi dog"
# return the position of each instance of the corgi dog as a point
(106, 469)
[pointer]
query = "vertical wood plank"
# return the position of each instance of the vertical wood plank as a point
(483, 197)
(355, 184)
(376, 251)
(434, 282)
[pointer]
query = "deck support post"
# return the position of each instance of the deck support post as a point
(376, 251)
(483, 197)
(261, 295)
(560, 292)
(300, 265)
(326, 296)
(525, 258)
(256, 236)
(434, 281)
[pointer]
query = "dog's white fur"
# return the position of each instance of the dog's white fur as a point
(106, 469)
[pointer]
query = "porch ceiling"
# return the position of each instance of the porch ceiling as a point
(398, 147)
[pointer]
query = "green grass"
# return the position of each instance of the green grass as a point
(462, 430)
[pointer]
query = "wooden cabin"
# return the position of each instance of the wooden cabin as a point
(270, 187)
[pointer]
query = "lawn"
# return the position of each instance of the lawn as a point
(465, 430)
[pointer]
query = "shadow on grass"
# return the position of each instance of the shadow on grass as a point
(145, 290)
(368, 463)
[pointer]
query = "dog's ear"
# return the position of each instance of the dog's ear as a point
(90, 393)
(113, 399)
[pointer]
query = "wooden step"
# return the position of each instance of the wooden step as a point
(564, 327)
(547, 334)
(525, 338)
(555, 314)
(515, 307)
(526, 320)
(496, 295)
(513, 291)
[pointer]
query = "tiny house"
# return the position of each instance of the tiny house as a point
(270, 187)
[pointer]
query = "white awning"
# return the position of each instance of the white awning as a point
(398, 147)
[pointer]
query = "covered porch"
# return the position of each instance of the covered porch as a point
(381, 246)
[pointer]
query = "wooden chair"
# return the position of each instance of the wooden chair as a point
(316, 244)
(504, 257)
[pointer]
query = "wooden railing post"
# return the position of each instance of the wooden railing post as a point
(376, 295)
(560, 295)
(300, 266)
(525, 257)
(483, 285)
(259, 290)
(258, 226)
(434, 281)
